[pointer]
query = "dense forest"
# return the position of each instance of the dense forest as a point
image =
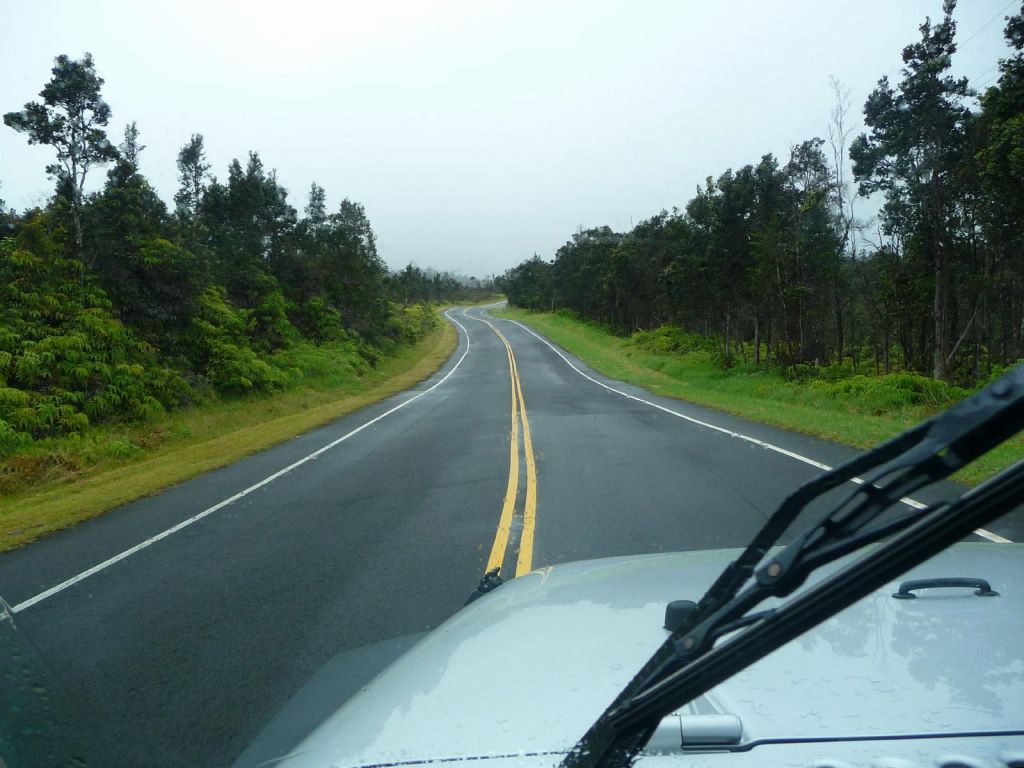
(768, 265)
(115, 307)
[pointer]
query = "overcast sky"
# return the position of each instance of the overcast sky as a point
(475, 133)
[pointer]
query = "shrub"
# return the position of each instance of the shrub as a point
(219, 348)
(409, 324)
(320, 321)
(835, 372)
(65, 361)
(269, 322)
(894, 391)
(800, 372)
(332, 363)
(671, 340)
(12, 439)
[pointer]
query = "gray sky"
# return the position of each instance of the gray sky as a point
(475, 133)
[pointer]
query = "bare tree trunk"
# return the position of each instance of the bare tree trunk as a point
(886, 340)
(800, 330)
(728, 353)
(76, 223)
(962, 337)
(939, 317)
(757, 341)
(840, 340)
(839, 132)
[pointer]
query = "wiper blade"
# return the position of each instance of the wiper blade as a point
(688, 664)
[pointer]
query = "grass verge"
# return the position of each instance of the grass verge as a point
(140, 459)
(859, 420)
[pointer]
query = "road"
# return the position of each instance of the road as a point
(181, 623)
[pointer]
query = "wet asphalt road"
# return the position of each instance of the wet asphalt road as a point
(180, 653)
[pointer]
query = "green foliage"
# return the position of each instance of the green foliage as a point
(12, 439)
(270, 326)
(64, 360)
(671, 340)
(407, 325)
(220, 351)
(332, 364)
(319, 320)
(878, 394)
(801, 372)
(894, 391)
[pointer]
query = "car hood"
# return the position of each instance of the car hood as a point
(525, 670)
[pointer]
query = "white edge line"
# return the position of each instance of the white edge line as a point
(220, 505)
(995, 537)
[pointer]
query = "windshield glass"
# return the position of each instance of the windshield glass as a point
(373, 376)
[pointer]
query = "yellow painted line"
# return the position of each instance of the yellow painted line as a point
(525, 562)
(508, 507)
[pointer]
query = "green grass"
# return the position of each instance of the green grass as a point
(860, 411)
(58, 483)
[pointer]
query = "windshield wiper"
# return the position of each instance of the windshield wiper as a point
(688, 663)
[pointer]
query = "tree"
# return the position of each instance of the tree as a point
(353, 271)
(192, 174)
(155, 284)
(999, 158)
(248, 219)
(130, 148)
(913, 152)
(316, 208)
(251, 230)
(839, 133)
(70, 119)
(7, 219)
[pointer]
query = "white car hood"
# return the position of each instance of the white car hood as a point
(525, 670)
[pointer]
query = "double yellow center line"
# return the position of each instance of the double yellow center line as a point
(524, 562)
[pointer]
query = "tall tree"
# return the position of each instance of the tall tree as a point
(316, 208)
(915, 147)
(353, 270)
(130, 148)
(1000, 166)
(70, 118)
(248, 220)
(192, 174)
(154, 284)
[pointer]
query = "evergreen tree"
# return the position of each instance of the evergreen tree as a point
(154, 283)
(913, 153)
(192, 174)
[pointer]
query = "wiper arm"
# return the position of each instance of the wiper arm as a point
(688, 665)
